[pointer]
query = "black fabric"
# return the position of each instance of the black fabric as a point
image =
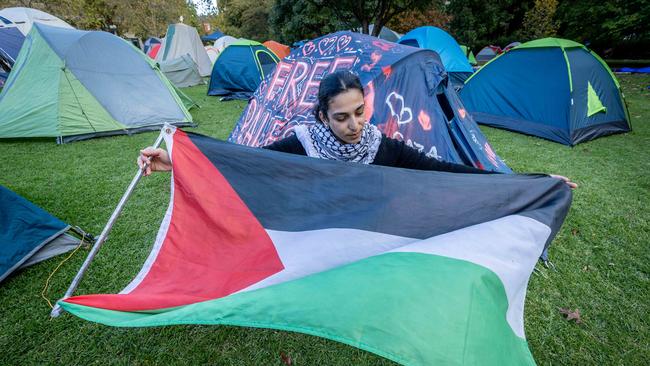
(392, 153)
(290, 192)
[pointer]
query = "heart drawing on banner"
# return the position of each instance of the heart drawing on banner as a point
(326, 44)
(308, 48)
(343, 42)
(398, 109)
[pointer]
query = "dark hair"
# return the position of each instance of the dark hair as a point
(333, 85)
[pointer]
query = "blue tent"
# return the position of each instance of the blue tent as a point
(551, 88)
(240, 68)
(452, 56)
(28, 234)
(11, 40)
(212, 36)
(407, 97)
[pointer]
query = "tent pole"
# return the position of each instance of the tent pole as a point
(56, 311)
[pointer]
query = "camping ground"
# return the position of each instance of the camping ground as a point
(602, 254)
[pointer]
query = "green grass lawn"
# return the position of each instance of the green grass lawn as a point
(602, 254)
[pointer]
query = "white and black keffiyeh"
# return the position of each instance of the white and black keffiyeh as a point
(319, 142)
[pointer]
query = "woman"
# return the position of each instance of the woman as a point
(342, 133)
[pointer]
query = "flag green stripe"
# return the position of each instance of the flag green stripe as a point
(412, 308)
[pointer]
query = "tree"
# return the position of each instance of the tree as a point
(363, 13)
(539, 21)
(143, 18)
(245, 18)
(434, 15)
(478, 23)
(619, 27)
(295, 20)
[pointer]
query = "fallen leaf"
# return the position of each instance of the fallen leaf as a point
(285, 358)
(571, 315)
(574, 231)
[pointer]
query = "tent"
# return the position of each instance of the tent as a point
(181, 71)
(487, 53)
(240, 68)
(10, 42)
(511, 46)
(452, 56)
(212, 52)
(633, 70)
(469, 54)
(136, 42)
(223, 42)
(74, 84)
(386, 33)
(24, 18)
(212, 36)
(149, 43)
(407, 97)
(551, 88)
(182, 39)
(278, 48)
(29, 234)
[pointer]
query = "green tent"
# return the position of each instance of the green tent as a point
(73, 84)
(469, 54)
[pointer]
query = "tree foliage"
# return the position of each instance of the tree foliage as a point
(245, 18)
(363, 13)
(434, 14)
(295, 20)
(143, 18)
(478, 23)
(539, 22)
(619, 27)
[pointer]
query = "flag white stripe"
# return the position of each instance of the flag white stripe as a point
(508, 246)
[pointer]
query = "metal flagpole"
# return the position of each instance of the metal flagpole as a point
(56, 311)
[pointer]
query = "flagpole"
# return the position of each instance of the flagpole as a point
(56, 310)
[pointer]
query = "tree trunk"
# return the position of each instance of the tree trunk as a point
(365, 27)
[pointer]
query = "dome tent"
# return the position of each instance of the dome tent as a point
(24, 18)
(73, 84)
(212, 36)
(487, 53)
(223, 42)
(240, 68)
(469, 54)
(386, 33)
(182, 39)
(551, 88)
(278, 48)
(406, 94)
(452, 56)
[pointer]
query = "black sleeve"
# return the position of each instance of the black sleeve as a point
(396, 153)
(289, 145)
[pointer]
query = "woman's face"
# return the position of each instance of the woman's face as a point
(345, 116)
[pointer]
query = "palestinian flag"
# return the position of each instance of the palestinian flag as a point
(419, 267)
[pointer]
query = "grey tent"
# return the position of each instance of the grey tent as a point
(73, 84)
(182, 71)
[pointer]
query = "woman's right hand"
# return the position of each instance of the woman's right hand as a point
(158, 160)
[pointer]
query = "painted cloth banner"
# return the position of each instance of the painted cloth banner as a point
(410, 265)
(406, 96)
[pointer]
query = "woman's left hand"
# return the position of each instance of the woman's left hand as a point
(566, 180)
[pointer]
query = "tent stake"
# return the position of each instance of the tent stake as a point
(56, 311)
